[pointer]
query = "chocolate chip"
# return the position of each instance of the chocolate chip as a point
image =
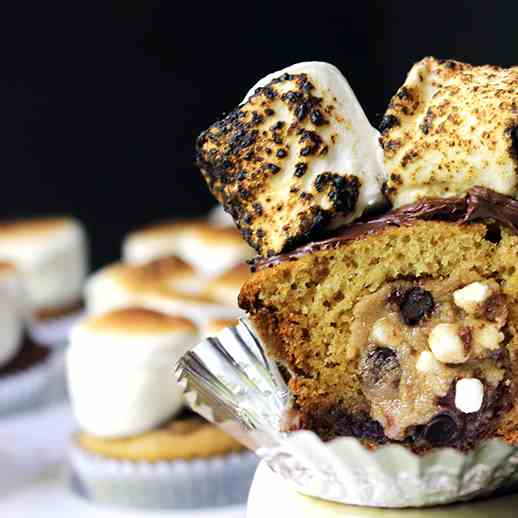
(441, 429)
(415, 305)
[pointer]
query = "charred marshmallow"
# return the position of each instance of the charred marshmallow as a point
(297, 156)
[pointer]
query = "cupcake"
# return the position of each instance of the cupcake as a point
(26, 368)
(210, 249)
(161, 284)
(225, 287)
(380, 363)
(51, 254)
(137, 445)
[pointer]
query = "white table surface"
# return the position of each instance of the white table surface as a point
(33, 474)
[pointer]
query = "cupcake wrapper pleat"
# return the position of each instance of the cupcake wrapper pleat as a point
(200, 483)
(32, 387)
(53, 333)
(230, 381)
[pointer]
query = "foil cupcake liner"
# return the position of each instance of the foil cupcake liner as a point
(230, 381)
(54, 333)
(270, 495)
(32, 387)
(201, 483)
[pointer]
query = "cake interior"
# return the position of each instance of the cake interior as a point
(349, 324)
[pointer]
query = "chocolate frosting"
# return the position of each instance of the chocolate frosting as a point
(479, 203)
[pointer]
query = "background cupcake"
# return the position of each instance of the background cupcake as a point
(210, 249)
(26, 368)
(51, 255)
(137, 445)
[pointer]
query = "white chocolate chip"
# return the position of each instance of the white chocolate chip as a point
(446, 344)
(426, 363)
(469, 395)
(471, 296)
(384, 333)
(488, 336)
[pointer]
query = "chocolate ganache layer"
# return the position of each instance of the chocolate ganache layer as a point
(479, 203)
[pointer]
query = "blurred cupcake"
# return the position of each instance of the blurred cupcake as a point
(219, 218)
(161, 284)
(225, 287)
(136, 445)
(211, 250)
(51, 254)
(214, 326)
(25, 367)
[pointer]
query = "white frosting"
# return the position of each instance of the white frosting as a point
(12, 315)
(121, 383)
(358, 150)
(52, 260)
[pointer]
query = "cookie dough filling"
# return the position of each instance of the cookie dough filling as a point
(431, 353)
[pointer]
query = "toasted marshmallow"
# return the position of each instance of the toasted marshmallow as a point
(219, 218)
(210, 249)
(213, 250)
(446, 344)
(296, 156)
(450, 127)
(119, 370)
(214, 326)
(469, 395)
(12, 313)
(155, 241)
(156, 285)
(225, 288)
(51, 255)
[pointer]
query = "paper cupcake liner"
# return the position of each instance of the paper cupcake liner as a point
(32, 387)
(200, 483)
(54, 333)
(230, 381)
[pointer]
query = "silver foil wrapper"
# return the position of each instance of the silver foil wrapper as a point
(229, 380)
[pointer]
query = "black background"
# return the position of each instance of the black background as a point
(100, 106)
